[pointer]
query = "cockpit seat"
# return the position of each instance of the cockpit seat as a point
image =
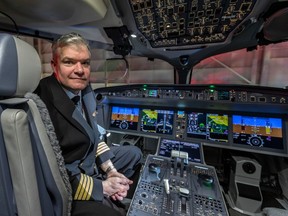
(33, 178)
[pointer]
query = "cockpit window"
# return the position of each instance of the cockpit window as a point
(264, 66)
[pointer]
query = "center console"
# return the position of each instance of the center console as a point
(175, 186)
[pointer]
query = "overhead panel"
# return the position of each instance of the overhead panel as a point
(168, 23)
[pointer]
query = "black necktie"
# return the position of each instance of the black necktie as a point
(79, 106)
(77, 103)
(76, 99)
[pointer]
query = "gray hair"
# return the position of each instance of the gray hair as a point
(68, 39)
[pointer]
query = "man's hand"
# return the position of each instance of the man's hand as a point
(116, 185)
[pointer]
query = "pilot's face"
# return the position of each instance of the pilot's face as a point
(72, 67)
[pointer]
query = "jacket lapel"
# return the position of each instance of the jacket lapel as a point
(88, 98)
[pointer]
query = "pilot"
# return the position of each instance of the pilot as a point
(100, 176)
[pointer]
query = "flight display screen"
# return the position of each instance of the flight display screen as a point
(207, 126)
(258, 131)
(157, 121)
(194, 150)
(124, 118)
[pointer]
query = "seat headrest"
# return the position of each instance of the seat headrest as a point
(20, 66)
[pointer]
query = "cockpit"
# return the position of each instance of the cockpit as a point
(199, 86)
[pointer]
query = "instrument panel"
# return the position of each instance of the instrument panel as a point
(229, 94)
(241, 118)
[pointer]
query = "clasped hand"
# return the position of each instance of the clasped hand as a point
(116, 185)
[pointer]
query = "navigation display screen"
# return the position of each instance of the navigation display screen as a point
(194, 150)
(124, 118)
(258, 131)
(207, 126)
(157, 121)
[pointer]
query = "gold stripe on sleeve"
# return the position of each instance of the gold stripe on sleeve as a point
(79, 187)
(85, 187)
(89, 189)
(102, 147)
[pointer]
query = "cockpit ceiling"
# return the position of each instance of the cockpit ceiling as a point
(37, 13)
(181, 32)
(173, 23)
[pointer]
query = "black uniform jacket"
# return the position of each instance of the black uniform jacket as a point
(78, 137)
